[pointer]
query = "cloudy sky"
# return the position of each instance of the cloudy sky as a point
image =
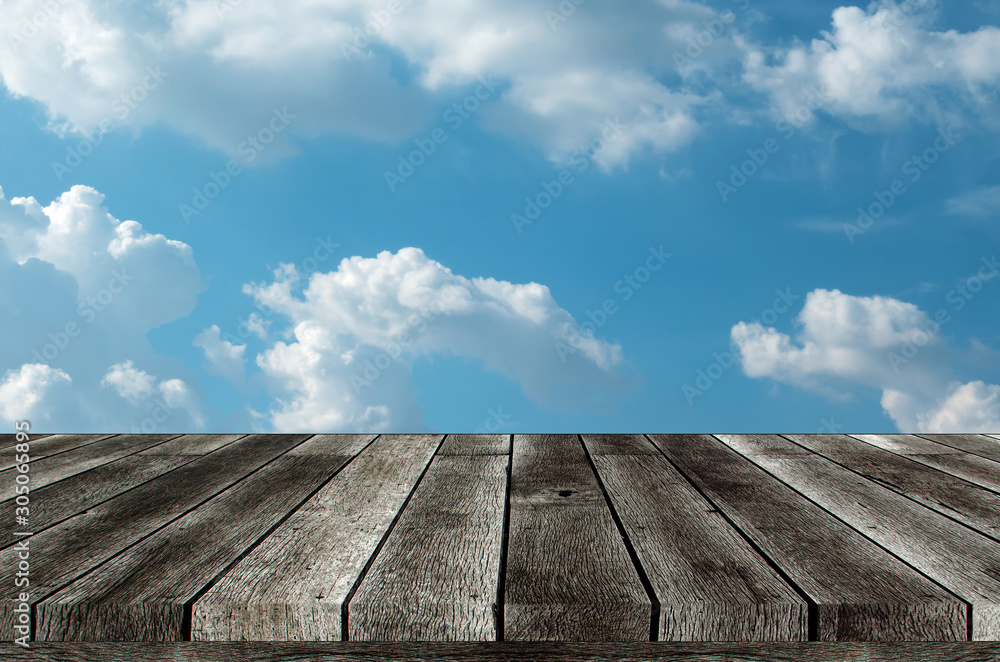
(503, 216)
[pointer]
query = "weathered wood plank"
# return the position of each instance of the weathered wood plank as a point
(437, 576)
(971, 504)
(710, 583)
(53, 468)
(978, 444)
(10, 440)
(193, 444)
(501, 652)
(475, 444)
(140, 594)
(860, 592)
(57, 501)
(293, 585)
(84, 541)
(964, 561)
(619, 444)
(973, 468)
(52, 445)
(569, 575)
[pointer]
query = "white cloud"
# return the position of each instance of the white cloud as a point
(131, 384)
(877, 342)
(224, 358)
(24, 393)
(223, 72)
(982, 202)
(86, 287)
(356, 331)
(884, 63)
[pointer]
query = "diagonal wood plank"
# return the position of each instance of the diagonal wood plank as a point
(860, 592)
(193, 444)
(964, 561)
(978, 444)
(569, 575)
(140, 594)
(294, 584)
(437, 576)
(53, 468)
(52, 445)
(973, 468)
(11, 440)
(970, 504)
(711, 584)
(58, 501)
(84, 541)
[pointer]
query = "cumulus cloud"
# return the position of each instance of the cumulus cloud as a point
(87, 289)
(223, 357)
(878, 342)
(222, 66)
(24, 393)
(355, 332)
(139, 387)
(884, 63)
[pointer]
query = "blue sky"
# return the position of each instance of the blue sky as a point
(320, 285)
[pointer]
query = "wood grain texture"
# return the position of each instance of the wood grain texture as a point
(619, 444)
(970, 504)
(569, 575)
(711, 584)
(860, 592)
(973, 468)
(293, 585)
(140, 594)
(193, 444)
(475, 444)
(53, 468)
(436, 578)
(57, 443)
(500, 652)
(84, 541)
(10, 440)
(962, 560)
(978, 444)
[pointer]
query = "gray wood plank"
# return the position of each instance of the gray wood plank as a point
(84, 541)
(293, 585)
(977, 444)
(619, 444)
(53, 468)
(711, 584)
(140, 594)
(973, 468)
(965, 562)
(10, 440)
(860, 592)
(193, 444)
(437, 576)
(500, 652)
(475, 444)
(57, 443)
(970, 504)
(569, 576)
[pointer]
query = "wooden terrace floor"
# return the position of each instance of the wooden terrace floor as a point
(463, 538)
